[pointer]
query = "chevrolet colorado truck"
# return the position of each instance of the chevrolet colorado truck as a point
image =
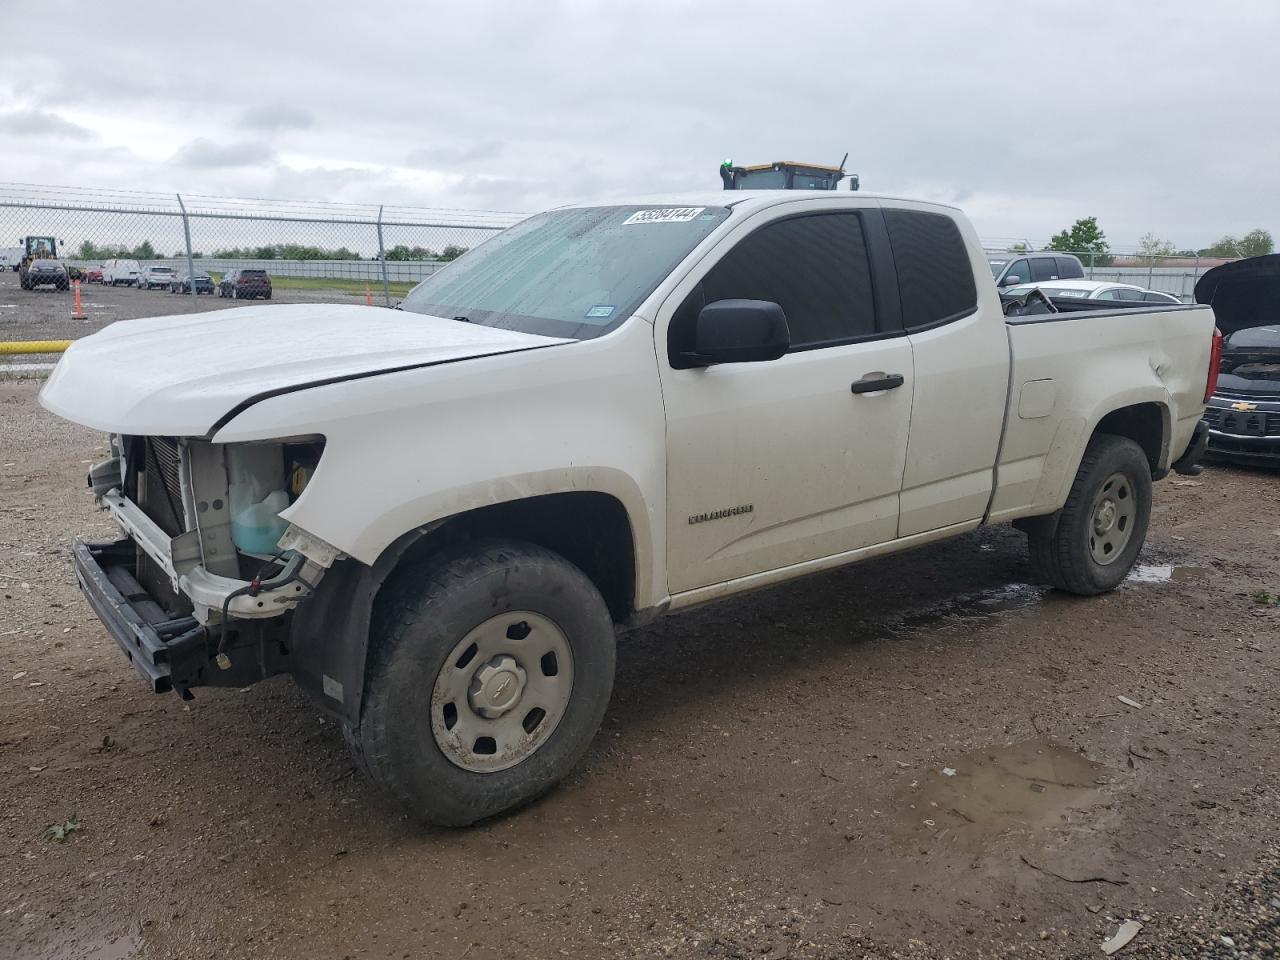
(437, 519)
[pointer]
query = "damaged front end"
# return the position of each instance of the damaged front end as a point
(200, 590)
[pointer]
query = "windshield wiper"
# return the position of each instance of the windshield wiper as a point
(463, 319)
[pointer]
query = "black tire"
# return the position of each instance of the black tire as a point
(267, 295)
(423, 612)
(1061, 551)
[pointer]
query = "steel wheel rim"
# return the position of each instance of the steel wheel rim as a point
(502, 691)
(1111, 519)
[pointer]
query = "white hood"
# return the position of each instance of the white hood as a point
(178, 376)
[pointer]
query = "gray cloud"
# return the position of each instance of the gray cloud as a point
(277, 117)
(452, 155)
(567, 100)
(41, 123)
(202, 152)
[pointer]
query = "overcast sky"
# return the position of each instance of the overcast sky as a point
(1153, 116)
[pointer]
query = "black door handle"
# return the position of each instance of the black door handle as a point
(887, 382)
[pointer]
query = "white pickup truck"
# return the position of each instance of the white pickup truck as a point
(438, 518)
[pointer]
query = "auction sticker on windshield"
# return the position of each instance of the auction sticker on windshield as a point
(664, 215)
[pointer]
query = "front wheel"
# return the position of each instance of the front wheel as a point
(490, 669)
(1098, 533)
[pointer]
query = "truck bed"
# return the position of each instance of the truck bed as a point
(1062, 364)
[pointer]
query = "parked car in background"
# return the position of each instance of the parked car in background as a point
(116, 272)
(46, 273)
(1009, 269)
(245, 285)
(74, 272)
(183, 284)
(1244, 412)
(1093, 290)
(91, 274)
(156, 276)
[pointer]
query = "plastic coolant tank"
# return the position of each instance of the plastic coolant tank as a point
(257, 527)
(255, 475)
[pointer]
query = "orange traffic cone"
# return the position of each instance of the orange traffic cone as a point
(79, 314)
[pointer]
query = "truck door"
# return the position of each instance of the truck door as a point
(776, 463)
(961, 353)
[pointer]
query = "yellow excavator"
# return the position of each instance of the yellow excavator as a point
(785, 175)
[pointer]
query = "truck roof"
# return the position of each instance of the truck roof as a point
(746, 199)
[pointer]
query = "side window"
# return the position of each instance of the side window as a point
(935, 275)
(815, 267)
(1152, 297)
(1044, 268)
(1130, 295)
(1112, 294)
(1020, 270)
(1069, 268)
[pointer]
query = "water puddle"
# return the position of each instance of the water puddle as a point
(1164, 573)
(984, 603)
(1018, 789)
(121, 947)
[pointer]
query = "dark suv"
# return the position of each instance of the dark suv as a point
(245, 285)
(1012, 268)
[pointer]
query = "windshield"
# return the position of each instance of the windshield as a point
(567, 273)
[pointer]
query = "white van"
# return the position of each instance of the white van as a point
(116, 272)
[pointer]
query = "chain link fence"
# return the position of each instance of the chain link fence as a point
(1175, 274)
(375, 251)
(158, 240)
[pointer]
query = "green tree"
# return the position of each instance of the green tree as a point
(1151, 248)
(402, 252)
(144, 251)
(1086, 240)
(452, 252)
(1255, 243)
(1020, 247)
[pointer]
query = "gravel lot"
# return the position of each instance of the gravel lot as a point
(770, 780)
(45, 313)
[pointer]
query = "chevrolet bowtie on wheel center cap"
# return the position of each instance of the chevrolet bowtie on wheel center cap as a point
(502, 691)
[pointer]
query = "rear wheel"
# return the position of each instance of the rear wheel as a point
(490, 671)
(1098, 533)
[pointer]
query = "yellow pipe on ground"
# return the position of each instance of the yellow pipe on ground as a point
(15, 347)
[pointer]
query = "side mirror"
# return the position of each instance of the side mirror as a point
(739, 331)
(1010, 279)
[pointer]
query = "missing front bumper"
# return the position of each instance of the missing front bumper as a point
(159, 646)
(172, 653)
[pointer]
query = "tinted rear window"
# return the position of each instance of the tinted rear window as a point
(253, 274)
(935, 278)
(1069, 268)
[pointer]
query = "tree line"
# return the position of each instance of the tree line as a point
(145, 250)
(1089, 242)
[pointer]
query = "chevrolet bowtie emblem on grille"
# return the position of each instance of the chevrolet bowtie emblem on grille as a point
(1242, 405)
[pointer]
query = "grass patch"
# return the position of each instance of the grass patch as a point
(1266, 598)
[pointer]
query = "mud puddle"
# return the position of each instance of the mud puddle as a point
(1165, 573)
(998, 793)
(120, 947)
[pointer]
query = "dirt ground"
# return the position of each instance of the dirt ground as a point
(920, 756)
